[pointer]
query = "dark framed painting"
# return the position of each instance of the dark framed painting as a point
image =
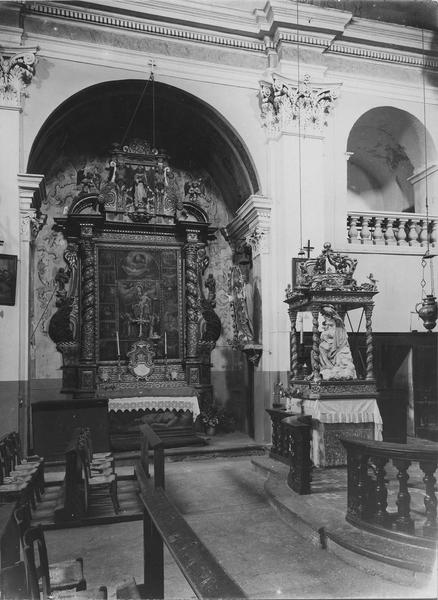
(8, 279)
(297, 277)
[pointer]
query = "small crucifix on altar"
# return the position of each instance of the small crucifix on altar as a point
(308, 249)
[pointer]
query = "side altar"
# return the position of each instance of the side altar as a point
(134, 323)
(338, 393)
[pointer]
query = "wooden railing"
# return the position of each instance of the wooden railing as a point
(367, 503)
(291, 435)
(280, 448)
(163, 523)
(299, 433)
(391, 229)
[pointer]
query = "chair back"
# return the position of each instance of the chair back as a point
(23, 518)
(37, 564)
(13, 584)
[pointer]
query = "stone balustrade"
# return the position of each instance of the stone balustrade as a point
(391, 229)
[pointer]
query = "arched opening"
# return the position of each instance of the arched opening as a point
(193, 134)
(388, 149)
(211, 171)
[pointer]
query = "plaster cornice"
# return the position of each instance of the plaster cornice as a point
(134, 61)
(333, 31)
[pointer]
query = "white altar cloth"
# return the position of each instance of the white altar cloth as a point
(341, 411)
(156, 403)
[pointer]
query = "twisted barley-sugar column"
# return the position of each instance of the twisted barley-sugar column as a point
(87, 308)
(192, 298)
(293, 344)
(316, 365)
(369, 342)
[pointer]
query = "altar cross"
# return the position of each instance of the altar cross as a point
(308, 249)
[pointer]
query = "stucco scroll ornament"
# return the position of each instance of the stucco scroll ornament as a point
(16, 71)
(285, 106)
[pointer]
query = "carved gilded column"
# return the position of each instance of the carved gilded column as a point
(293, 344)
(87, 294)
(316, 364)
(192, 293)
(369, 342)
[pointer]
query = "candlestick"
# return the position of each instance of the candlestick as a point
(302, 330)
(165, 344)
(118, 343)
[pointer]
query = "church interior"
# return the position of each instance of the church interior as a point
(218, 373)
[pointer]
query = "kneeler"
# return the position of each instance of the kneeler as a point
(65, 575)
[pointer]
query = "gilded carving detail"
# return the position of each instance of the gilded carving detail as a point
(17, 67)
(88, 309)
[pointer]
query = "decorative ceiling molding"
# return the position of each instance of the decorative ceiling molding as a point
(262, 31)
(142, 26)
(374, 53)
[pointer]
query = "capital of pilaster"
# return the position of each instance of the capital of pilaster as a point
(17, 67)
(32, 192)
(290, 108)
(251, 225)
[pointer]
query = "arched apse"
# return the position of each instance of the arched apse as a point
(388, 150)
(193, 134)
(74, 146)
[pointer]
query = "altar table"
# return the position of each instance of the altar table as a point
(331, 419)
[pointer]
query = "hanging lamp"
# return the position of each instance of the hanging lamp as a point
(427, 309)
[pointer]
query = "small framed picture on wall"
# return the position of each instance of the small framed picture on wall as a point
(8, 279)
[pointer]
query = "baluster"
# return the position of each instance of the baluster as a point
(353, 233)
(430, 501)
(434, 233)
(275, 434)
(403, 522)
(378, 233)
(401, 232)
(413, 233)
(381, 515)
(366, 232)
(357, 466)
(423, 235)
(389, 233)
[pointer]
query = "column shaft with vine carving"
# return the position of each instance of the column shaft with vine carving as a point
(369, 342)
(88, 300)
(316, 364)
(293, 344)
(192, 299)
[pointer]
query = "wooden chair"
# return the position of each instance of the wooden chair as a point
(13, 583)
(105, 482)
(65, 575)
(38, 574)
(14, 486)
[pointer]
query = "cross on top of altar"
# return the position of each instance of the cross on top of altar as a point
(307, 248)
